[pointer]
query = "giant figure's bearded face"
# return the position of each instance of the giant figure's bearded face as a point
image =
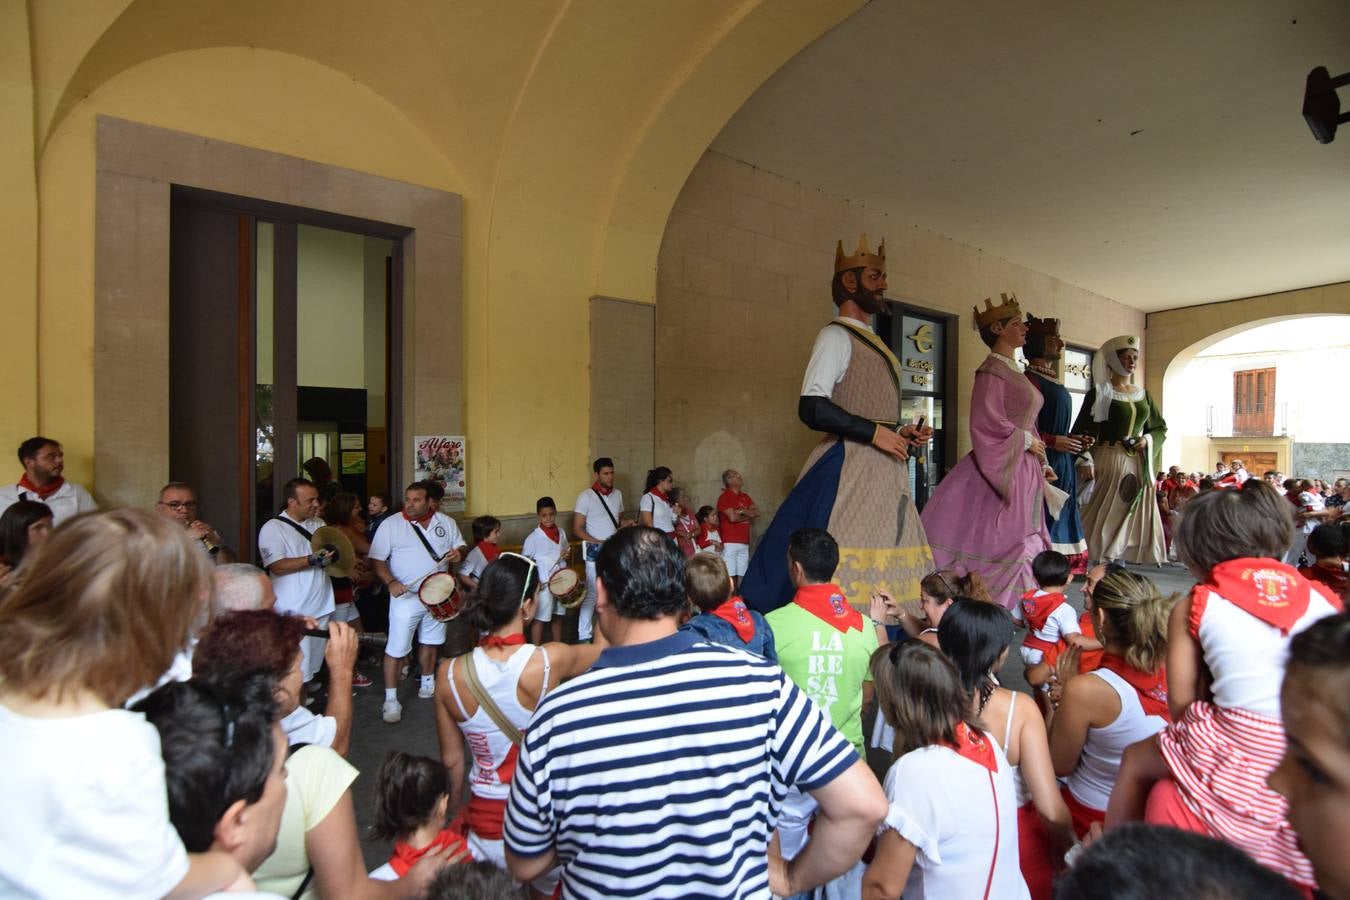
(870, 291)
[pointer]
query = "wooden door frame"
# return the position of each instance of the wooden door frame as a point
(137, 166)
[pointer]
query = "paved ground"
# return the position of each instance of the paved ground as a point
(372, 738)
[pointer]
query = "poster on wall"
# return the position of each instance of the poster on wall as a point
(441, 458)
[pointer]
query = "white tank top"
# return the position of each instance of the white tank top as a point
(1246, 656)
(1019, 783)
(493, 754)
(1099, 763)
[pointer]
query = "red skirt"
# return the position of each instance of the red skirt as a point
(1036, 853)
(1219, 759)
(1083, 815)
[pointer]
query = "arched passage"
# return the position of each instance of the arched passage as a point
(1257, 390)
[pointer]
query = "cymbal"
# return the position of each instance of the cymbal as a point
(331, 538)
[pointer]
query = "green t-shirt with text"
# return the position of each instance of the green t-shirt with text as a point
(829, 665)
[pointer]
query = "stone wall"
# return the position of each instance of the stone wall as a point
(743, 287)
(1325, 461)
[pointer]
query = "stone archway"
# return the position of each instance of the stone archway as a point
(1175, 338)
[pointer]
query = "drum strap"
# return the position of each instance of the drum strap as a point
(417, 530)
(485, 702)
(601, 497)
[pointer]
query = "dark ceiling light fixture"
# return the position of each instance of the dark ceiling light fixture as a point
(1321, 106)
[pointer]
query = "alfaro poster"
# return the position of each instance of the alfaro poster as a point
(441, 458)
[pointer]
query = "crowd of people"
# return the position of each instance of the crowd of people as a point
(177, 722)
(153, 704)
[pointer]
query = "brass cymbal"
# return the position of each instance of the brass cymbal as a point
(331, 538)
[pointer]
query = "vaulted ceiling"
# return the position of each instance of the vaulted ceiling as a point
(1152, 152)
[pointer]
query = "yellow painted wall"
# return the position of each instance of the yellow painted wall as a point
(18, 236)
(568, 126)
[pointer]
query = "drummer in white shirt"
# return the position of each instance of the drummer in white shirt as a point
(298, 578)
(405, 550)
(547, 546)
(597, 513)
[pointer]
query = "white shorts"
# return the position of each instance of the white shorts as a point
(408, 615)
(1031, 656)
(737, 558)
(345, 612)
(546, 607)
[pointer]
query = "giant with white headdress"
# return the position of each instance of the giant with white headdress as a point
(1121, 518)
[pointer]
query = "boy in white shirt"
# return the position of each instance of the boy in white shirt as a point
(547, 546)
(1046, 612)
(487, 532)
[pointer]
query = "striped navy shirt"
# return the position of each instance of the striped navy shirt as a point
(660, 772)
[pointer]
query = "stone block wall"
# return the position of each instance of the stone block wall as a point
(743, 287)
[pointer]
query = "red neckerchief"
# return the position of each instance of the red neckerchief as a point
(657, 492)
(1151, 688)
(497, 640)
(601, 489)
(735, 613)
(703, 532)
(1269, 590)
(489, 550)
(422, 521)
(551, 532)
(1036, 609)
(826, 602)
(975, 747)
(405, 857)
(43, 492)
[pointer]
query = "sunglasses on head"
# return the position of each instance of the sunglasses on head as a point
(525, 590)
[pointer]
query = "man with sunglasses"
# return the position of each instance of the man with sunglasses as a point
(178, 501)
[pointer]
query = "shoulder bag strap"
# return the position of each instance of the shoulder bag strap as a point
(417, 530)
(297, 526)
(476, 688)
(613, 521)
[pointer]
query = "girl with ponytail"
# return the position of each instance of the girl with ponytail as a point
(493, 691)
(1104, 711)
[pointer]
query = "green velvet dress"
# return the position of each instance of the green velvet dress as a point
(1121, 518)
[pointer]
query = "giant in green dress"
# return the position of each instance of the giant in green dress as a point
(1121, 518)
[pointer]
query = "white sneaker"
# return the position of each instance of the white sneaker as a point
(392, 712)
(426, 691)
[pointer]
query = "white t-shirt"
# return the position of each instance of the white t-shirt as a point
(941, 803)
(830, 357)
(1061, 622)
(544, 551)
(308, 592)
(598, 523)
(398, 545)
(304, 727)
(474, 564)
(384, 873)
(68, 500)
(86, 813)
(663, 517)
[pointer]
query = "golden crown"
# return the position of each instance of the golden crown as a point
(991, 313)
(861, 258)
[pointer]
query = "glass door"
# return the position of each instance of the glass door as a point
(279, 359)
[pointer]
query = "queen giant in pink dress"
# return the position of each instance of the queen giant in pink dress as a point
(989, 514)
